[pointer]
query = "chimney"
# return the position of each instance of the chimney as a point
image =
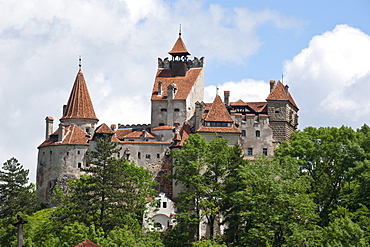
(198, 114)
(286, 88)
(61, 132)
(170, 92)
(226, 97)
(272, 85)
(143, 134)
(64, 109)
(113, 127)
(49, 126)
(159, 88)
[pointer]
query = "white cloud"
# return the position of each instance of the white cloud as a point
(330, 79)
(247, 90)
(119, 41)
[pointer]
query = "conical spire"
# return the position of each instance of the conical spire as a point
(79, 105)
(179, 49)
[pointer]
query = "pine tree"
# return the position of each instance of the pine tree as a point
(111, 194)
(16, 195)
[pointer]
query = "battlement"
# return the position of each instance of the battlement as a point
(133, 126)
(195, 63)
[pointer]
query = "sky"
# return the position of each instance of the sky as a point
(321, 49)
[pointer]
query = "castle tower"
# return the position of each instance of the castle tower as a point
(63, 152)
(79, 109)
(282, 111)
(178, 85)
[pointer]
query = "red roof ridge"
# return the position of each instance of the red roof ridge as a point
(79, 104)
(280, 92)
(218, 112)
(104, 129)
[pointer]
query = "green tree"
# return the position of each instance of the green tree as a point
(200, 168)
(112, 193)
(269, 205)
(16, 195)
(331, 157)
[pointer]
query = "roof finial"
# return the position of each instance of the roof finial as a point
(79, 62)
(180, 31)
(217, 90)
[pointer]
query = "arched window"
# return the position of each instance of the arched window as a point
(244, 133)
(258, 133)
(139, 155)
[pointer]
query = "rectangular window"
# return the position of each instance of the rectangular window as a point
(264, 151)
(79, 165)
(164, 204)
(158, 156)
(250, 151)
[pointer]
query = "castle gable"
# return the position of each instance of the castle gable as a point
(280, 92)
(183, 84)
(218, 112)
(73, 136)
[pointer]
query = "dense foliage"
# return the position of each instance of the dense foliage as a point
(316, 190)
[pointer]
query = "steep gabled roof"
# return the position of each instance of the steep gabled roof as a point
(73, 136)
(104, 129)
(184, 84)
(79, 104)
(218, 112)
(179, 49)
(280, 92)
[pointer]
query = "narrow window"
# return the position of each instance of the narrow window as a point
(67, 153)
(158, 156)
(250, 151)
(164, 204)
(264, 151)
(78, 152)
(244, 133)
(258, 133)
(79, 165)
(139, 155)
(51, 152)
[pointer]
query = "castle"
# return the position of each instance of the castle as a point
(177, 110)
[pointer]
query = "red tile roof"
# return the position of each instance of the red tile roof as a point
(238, 103)
(233, 129)
(218, 112)
(79, 104)
(87, 243)
(183, 134)
(280, 92)
(163, 128)
(104, 129)
(258, 106)
(138, 135)
(73, 136)
(121, 133)
(179, 48)
(184, 84)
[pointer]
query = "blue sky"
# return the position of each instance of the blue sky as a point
(321, 47)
